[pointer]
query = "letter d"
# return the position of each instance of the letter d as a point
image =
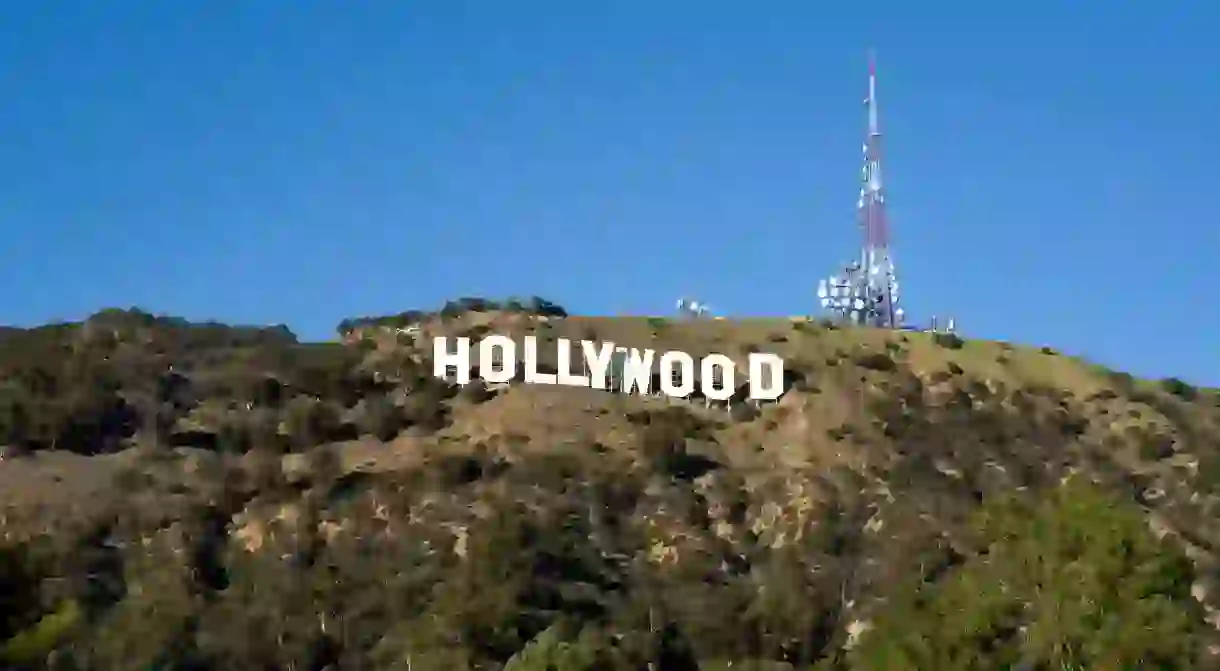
(766, 376)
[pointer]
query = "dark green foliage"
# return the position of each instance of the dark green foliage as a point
(1073, 581)
(311, 422)
(948, 340)
(664, 444)
(545, 308)
(20, 605)
(549, 651)
(478, 332)
(744, 412)
(1155, 446)
(98, 386)
(477, 391)
(877, 361)
(399, 320)
(534, 306)
(381, 417)
(1180, 389)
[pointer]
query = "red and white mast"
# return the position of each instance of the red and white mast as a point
(868, 292)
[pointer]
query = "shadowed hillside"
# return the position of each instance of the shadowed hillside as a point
(177, 495)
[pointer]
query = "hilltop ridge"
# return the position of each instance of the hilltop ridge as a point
(206, 497)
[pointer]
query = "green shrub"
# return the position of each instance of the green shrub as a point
(1178, 388)
(32, 645)
(1156, 446)
(948, 340)
(1071, 580)
(877, 361)
(549, 651)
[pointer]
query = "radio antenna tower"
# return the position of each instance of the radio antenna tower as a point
(867, 292)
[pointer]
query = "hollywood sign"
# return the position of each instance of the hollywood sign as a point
(677, 371)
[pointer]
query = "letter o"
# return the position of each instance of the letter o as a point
(707, 377)
(507, 368)
(682, 363)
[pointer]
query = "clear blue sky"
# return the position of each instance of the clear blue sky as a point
(1050, 170)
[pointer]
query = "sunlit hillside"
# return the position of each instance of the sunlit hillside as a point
(199, 496)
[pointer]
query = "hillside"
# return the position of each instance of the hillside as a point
(199, 496)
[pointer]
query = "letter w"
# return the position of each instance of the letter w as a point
(637, 371)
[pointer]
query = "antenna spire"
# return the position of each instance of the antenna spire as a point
(867, 293)
(871, 101)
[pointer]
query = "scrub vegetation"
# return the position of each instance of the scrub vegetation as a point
(197, 496)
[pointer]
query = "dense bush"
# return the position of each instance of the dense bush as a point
(1074, 581)
(877, 361)
(948, 340)
(1180, 389)
(127, 376)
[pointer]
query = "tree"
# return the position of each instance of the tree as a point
(19, 602)
(549, 650)
(15, 428)
(1075, 580)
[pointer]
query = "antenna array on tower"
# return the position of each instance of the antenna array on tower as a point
(866, 291)
(689, 307)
